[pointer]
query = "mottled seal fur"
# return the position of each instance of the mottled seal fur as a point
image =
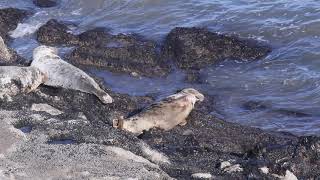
(63, 74)
(165, 114)
(15, 80)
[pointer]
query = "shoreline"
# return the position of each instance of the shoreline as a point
(205, 145)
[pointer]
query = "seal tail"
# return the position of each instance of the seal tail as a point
(118, 123)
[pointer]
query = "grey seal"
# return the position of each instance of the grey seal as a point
(62, 74)
(165, 114)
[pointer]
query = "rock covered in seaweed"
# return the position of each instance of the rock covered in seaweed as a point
(9, 19)
(97, 48)
(56, 33)
(195, 48)
(45, 3)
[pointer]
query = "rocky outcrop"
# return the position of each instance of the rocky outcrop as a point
(45, 3)
(195, 48)
(97, 48)
(190, 48)
(128, 59)
(55, 33)
(208, 139)
(9, 19)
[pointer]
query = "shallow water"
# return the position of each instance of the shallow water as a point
(288, 79)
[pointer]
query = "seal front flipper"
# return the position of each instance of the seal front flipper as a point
(183, 123)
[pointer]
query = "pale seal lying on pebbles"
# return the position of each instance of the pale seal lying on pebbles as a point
(15, 80)
(165, 114)
(4, 51)
(63, 74)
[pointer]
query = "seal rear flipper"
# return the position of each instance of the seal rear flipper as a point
(104, 97)
(118, 123)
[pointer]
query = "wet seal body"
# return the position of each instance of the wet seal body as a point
(65, 75)
(15, 80)
(165, 114)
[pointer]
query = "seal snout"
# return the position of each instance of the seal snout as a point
(200, 97)
(196, 93)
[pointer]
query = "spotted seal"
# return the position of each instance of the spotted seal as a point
(165, 114)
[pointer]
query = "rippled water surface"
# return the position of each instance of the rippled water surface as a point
(285, 84)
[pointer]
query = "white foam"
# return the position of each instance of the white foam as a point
(24, 29)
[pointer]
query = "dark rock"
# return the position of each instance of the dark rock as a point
(213, 141)
(101, 37)
(193, 76)
(97, 36)
(195, 48)
(300, 156)
(140, 60)
(56, 33)
(9, 19)
(45, 3)
(120, 53)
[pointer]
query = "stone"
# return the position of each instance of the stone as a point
(196, 48)
(46, 108)
(9, 19)
(143, 60)
(45, 3)
(56, 33)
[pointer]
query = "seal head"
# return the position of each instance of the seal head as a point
(191, 91)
